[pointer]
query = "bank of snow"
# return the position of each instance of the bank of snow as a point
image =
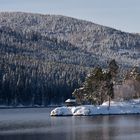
(121, 107)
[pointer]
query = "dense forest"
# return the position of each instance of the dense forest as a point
(43, 58)
(38, 71)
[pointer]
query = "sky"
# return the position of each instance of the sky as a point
(120, 14)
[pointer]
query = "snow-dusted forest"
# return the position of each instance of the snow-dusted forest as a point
(43, 58)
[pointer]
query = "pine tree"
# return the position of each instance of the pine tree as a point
(98, 86)
(95, 88)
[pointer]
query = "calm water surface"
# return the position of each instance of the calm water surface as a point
(36, 124)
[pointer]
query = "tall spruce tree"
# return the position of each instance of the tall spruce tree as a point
(113, 71)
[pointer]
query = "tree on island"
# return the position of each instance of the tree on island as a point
(98, 86)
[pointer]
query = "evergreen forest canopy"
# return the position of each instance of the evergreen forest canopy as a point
(43, 58)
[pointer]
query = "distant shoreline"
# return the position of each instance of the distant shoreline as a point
(11, 107)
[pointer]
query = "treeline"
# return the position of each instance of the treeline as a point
(38, 84)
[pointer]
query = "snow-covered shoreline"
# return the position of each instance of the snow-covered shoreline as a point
(116, 108)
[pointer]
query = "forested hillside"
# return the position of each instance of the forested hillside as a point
(38, 70)
(43, 58)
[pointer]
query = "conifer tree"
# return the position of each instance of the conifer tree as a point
(98, 86)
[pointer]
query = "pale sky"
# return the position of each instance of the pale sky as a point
(120, 14)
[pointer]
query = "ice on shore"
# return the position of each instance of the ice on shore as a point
(120, 107)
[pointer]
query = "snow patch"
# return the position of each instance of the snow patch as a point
(120, 107)
(61, 111)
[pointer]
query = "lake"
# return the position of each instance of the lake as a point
(36, 124)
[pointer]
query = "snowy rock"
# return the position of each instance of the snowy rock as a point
(61, 111)
(82, 110)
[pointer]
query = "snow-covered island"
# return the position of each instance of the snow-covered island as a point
(116, 107)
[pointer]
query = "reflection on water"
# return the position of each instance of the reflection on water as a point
(36, 124)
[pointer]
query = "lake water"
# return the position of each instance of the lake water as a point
(36, 124)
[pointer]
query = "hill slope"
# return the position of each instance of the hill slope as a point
(100, 40)
(44, 57)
